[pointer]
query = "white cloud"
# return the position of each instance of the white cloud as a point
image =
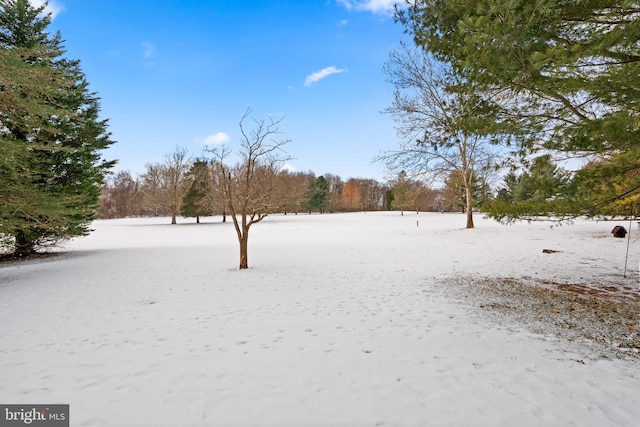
(288, 167)
(319, 75)
(52, 7)
(375, 6)
(215, 139)
(348, 4)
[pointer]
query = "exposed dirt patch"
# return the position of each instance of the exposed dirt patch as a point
(603, 320)
(605, 292)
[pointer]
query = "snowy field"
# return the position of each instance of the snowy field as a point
(341, 320)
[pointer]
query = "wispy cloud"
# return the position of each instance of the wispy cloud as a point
(149, 53)
(215, 139)
(149, 49)
(319, 75)
(53, 7)
(375, 6)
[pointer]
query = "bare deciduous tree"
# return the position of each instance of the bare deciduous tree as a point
(121, 197)
(443, 131)
(165, 184)
(291, 188)
(249, 187)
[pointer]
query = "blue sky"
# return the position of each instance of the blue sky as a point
(182, 73)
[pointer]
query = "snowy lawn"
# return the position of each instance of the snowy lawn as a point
(341, 319)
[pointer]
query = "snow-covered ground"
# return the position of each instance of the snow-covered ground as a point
(341, 319)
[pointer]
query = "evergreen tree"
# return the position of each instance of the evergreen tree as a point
(403, 196)
(389, 200)
(538, 191)
(543, 181)
(317, 195)
(455, 194)
(197, 201)
(506, 193)
(51, 135)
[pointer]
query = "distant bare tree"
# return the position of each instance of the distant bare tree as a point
(218, 200)
(152, 190)
(165, 184)
(176, 168)
(336, 186)
(351, 199)
(249, 187)
(291, 188)
(121, 197)
(428, 199)
(372, 194)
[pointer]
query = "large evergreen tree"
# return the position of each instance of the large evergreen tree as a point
(566, 69)
(51, 135)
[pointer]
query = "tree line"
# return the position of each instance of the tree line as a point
(182, 186)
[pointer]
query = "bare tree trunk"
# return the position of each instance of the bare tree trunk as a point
(244, 246)
(469, 219)
(198, 219)
(173, 218)
(467, 185)
(23, 246)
